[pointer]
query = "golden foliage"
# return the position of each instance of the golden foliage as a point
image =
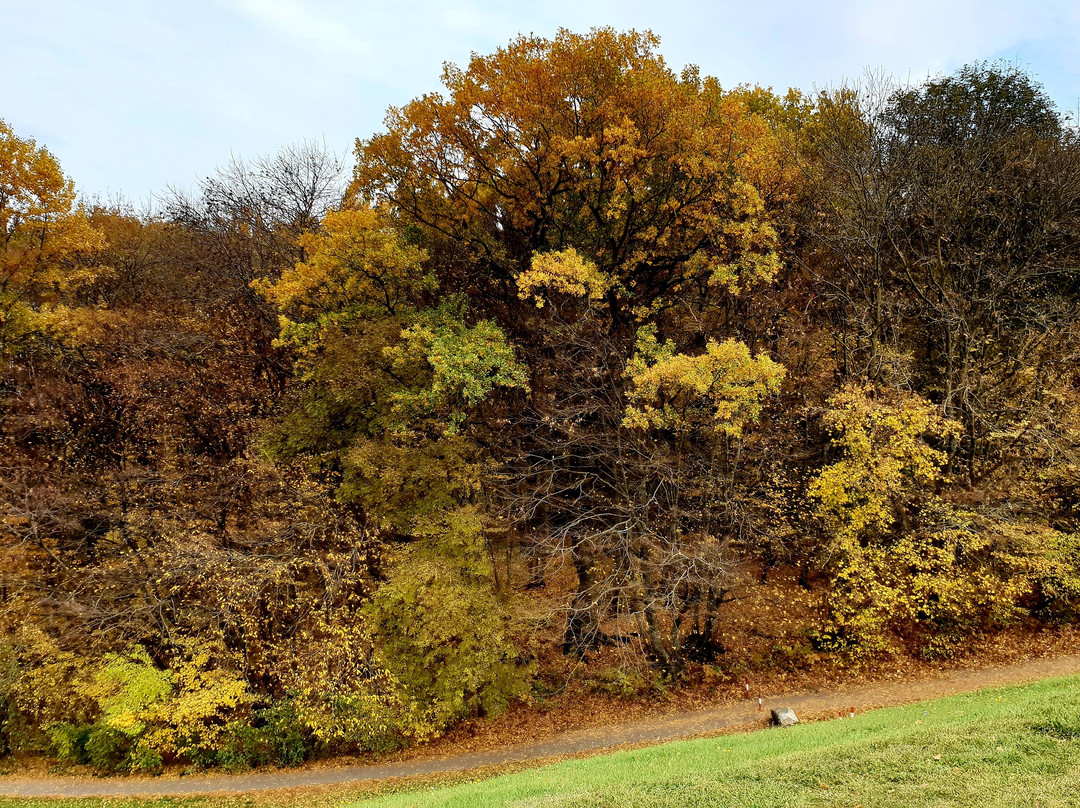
(42, 234)
(358, 262)
(565, 272)
(440, 628)
(904, 563)
(886, 462)
(722, 388)
(586, 142)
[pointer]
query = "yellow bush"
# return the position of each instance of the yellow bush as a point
(904, 563)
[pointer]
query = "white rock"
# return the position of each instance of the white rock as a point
(784, 717)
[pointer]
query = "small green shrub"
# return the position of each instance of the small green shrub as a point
(68, 742)
(274, 734)
(96, 744)
(442, 633)
(244, 747)
(107, 748)
(290, 742)
(145, 759)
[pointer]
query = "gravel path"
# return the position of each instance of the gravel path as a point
(644, 732)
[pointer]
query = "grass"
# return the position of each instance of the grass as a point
(1016, 746)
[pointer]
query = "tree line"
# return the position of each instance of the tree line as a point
(284, 462)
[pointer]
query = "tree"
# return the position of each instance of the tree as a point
(905, 564)
(42, 233)
(947, 214)
(587, 142)
(390, 378)
(582, 194)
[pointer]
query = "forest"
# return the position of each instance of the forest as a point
(327, 455)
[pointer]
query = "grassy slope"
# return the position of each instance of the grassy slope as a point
(1009, 747)
(1017, 746)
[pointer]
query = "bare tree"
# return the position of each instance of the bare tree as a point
(650, 520)
(946, 222)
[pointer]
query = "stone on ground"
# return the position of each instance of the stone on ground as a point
(784, 716)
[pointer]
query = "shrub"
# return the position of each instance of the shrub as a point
(1056, 577)
(143, 758)
(288, 740)
(107, 748)
(68, 741)
(97, 744)
(441, 631)
(904, 563)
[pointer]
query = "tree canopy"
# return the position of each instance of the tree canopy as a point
(584, 356)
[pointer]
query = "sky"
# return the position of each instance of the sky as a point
(135, 96)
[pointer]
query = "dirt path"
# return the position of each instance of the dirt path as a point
(635, 733)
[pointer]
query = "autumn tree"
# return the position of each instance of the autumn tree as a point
(946, 215)
(581, 193)
(389, 379)
(907, 565)
(942, 247)
(42, 233)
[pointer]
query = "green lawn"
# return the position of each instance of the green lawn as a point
(1016, 746)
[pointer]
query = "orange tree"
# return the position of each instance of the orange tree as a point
(599, 207)
(42, 234)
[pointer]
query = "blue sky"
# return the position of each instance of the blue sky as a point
(135, 95)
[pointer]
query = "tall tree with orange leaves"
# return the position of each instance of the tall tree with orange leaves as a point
(41, 233)
(600, 208)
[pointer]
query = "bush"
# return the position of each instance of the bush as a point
(123, 711)
(145, 759)
(97, 744)
(244, 747)
(107, 748)
(9, 674)
(904, 563)
(441, 631)
(69, 741)
(275, 734)
(44, 687)
(1056, 578)
(289, 741)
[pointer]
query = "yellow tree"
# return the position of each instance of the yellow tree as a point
(905, 563)
(584, 141)
(42, 232)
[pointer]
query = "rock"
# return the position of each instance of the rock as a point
(784, 716)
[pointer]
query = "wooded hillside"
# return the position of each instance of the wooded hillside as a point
(311, 462)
